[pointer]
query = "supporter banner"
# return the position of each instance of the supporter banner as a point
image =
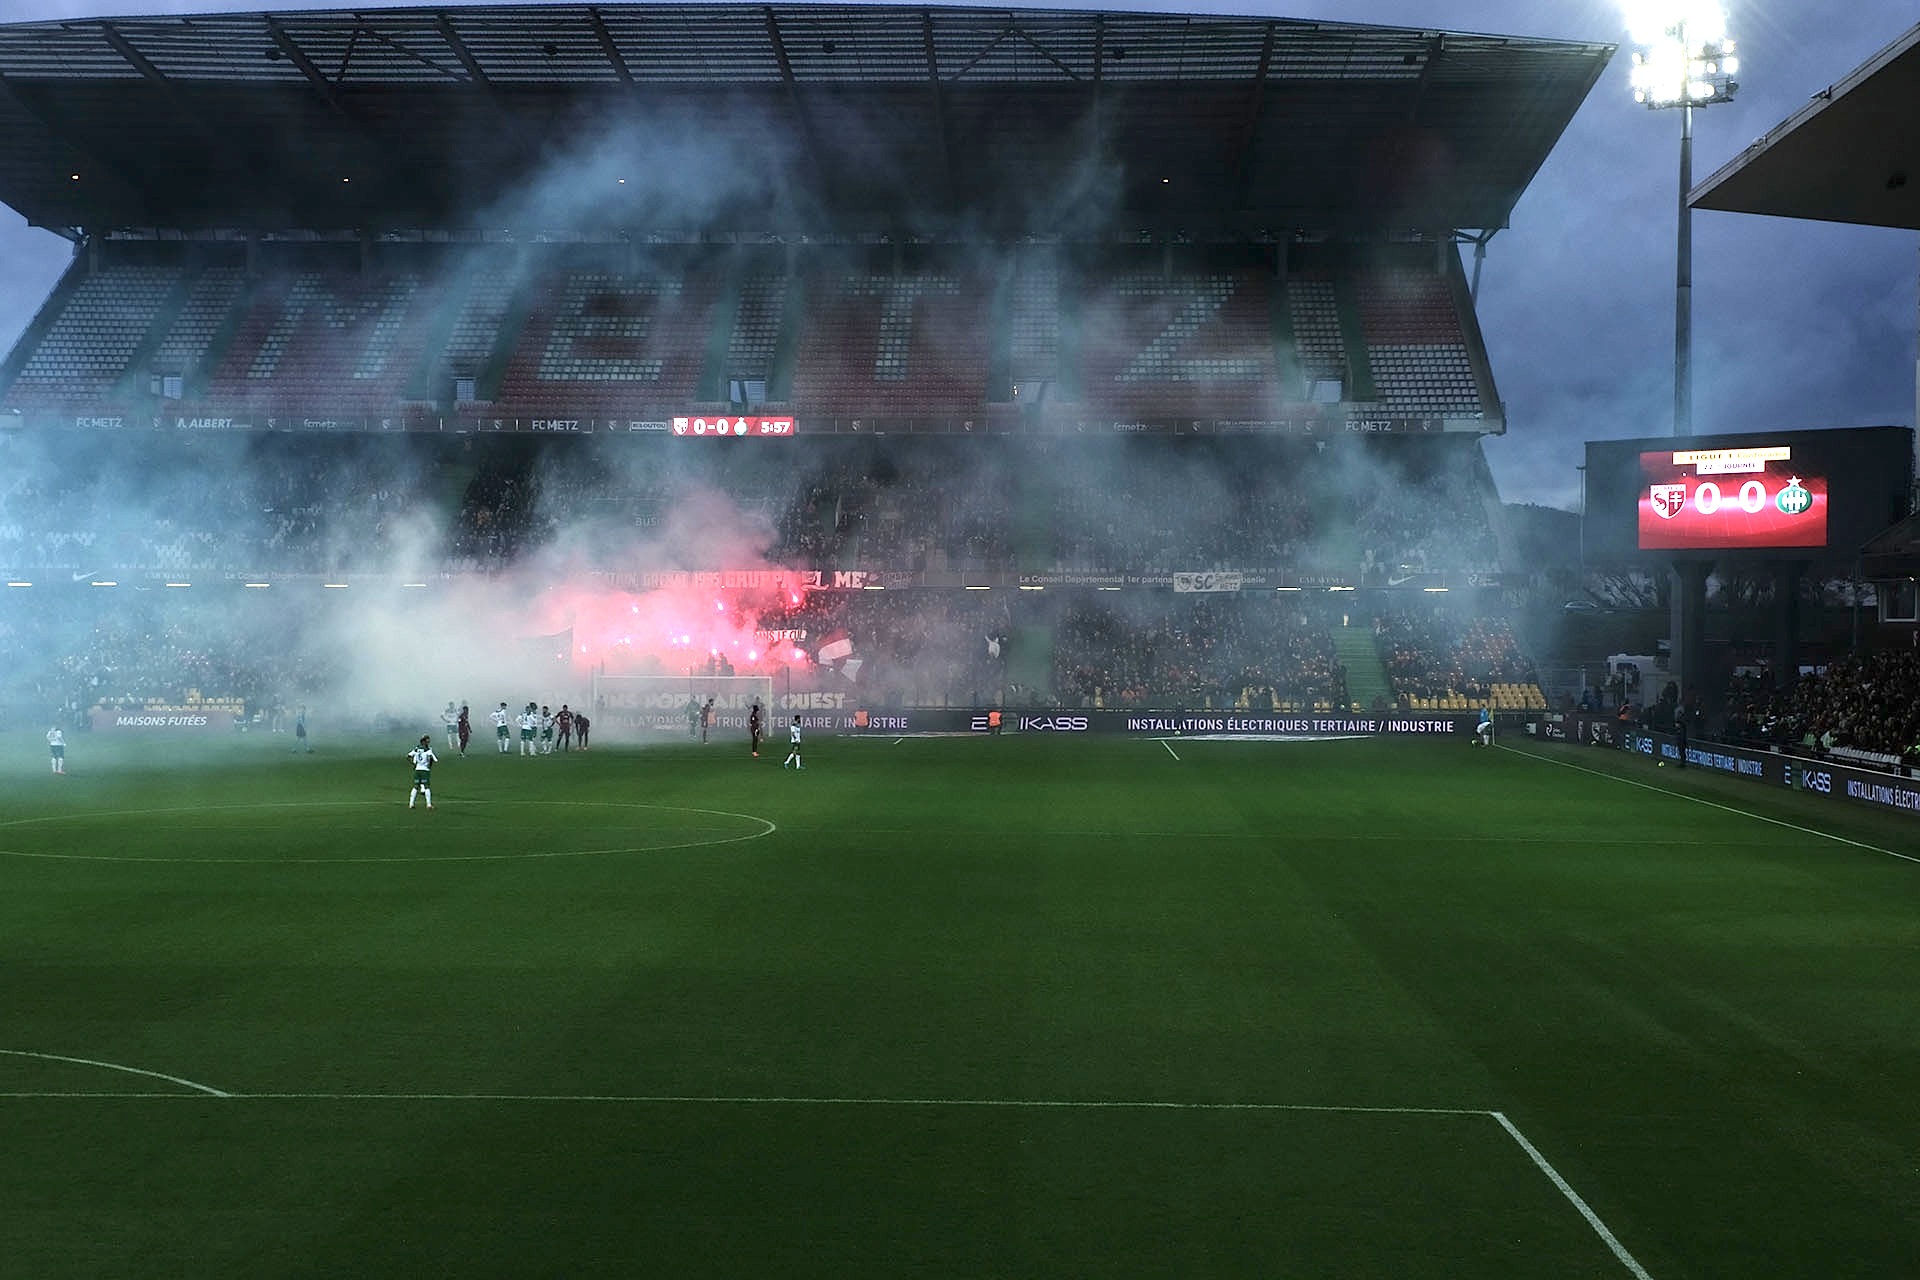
(162, 721)
(751, 579)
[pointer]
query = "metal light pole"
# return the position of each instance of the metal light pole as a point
(1682, 58)
(1683, 286)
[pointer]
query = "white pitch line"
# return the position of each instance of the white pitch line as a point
(1712, 804)
(767, 824)
(1169, 747)
(1627, 1260)
(775, 1100)
(1540, 1161)
(115, 1066)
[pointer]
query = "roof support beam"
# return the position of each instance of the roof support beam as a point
(1022, 35)
(608, 47)
(304, 65)
(186, 114)
(444, 25)
(822, 179)
(1436, 46)
(135, 59)
(191, 116)
(939, 104)
(367, 144)
(1099, 83)
(1250, 123)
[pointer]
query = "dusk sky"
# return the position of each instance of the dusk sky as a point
(1795, 324)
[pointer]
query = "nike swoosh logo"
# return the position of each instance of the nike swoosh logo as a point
(83, 577)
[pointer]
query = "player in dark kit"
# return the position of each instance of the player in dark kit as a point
(563, 723)
(753, 726)
(464, 728)
(580, 727)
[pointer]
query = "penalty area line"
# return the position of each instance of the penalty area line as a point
(1631, 1263)
(1169, 747)
(1713, 804)
(1533, 1153)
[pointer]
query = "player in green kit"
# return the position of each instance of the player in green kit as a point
(423, 762)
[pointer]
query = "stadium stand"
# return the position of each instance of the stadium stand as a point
(608, 331)
(1860, 708)
(1256, 655)
(998, 388)
(1439, 661)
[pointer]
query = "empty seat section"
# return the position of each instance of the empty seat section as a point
(1195, 345)
(324, 342)
(1415, 345)
(610, 344)
(476, 329)
(85, 351)
(1315, 317)
(756, 326)
(1034, 317)
(893, 345)
(183, 349)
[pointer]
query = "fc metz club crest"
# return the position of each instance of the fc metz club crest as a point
(1669, 499)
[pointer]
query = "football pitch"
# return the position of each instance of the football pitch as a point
(950, 1007)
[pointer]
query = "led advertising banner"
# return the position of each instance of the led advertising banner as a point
(1730, 499)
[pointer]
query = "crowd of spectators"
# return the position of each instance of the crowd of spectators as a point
(909, 648)
(1865, 702)
(312, 503)
(1421, 507)
(140, 653)
(1217, 651)
(1437, 653)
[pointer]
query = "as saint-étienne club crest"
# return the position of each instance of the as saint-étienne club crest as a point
(1794, 499)
(1669, 500)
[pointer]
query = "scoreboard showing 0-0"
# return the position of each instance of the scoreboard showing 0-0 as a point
(724, 427)
(1787, 495)
(1727, 499)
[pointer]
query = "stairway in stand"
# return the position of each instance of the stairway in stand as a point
(1366, 676)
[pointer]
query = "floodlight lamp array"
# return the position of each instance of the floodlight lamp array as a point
(1683, 55)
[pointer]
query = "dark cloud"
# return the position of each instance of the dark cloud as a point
(1795, 324)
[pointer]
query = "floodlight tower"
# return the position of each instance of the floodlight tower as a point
(1682, 58)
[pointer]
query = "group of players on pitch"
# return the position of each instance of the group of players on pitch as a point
(540, 729)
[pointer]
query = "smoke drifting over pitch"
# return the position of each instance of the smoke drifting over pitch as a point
(573, 555)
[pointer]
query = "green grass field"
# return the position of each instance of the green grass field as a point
(950, 1007)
